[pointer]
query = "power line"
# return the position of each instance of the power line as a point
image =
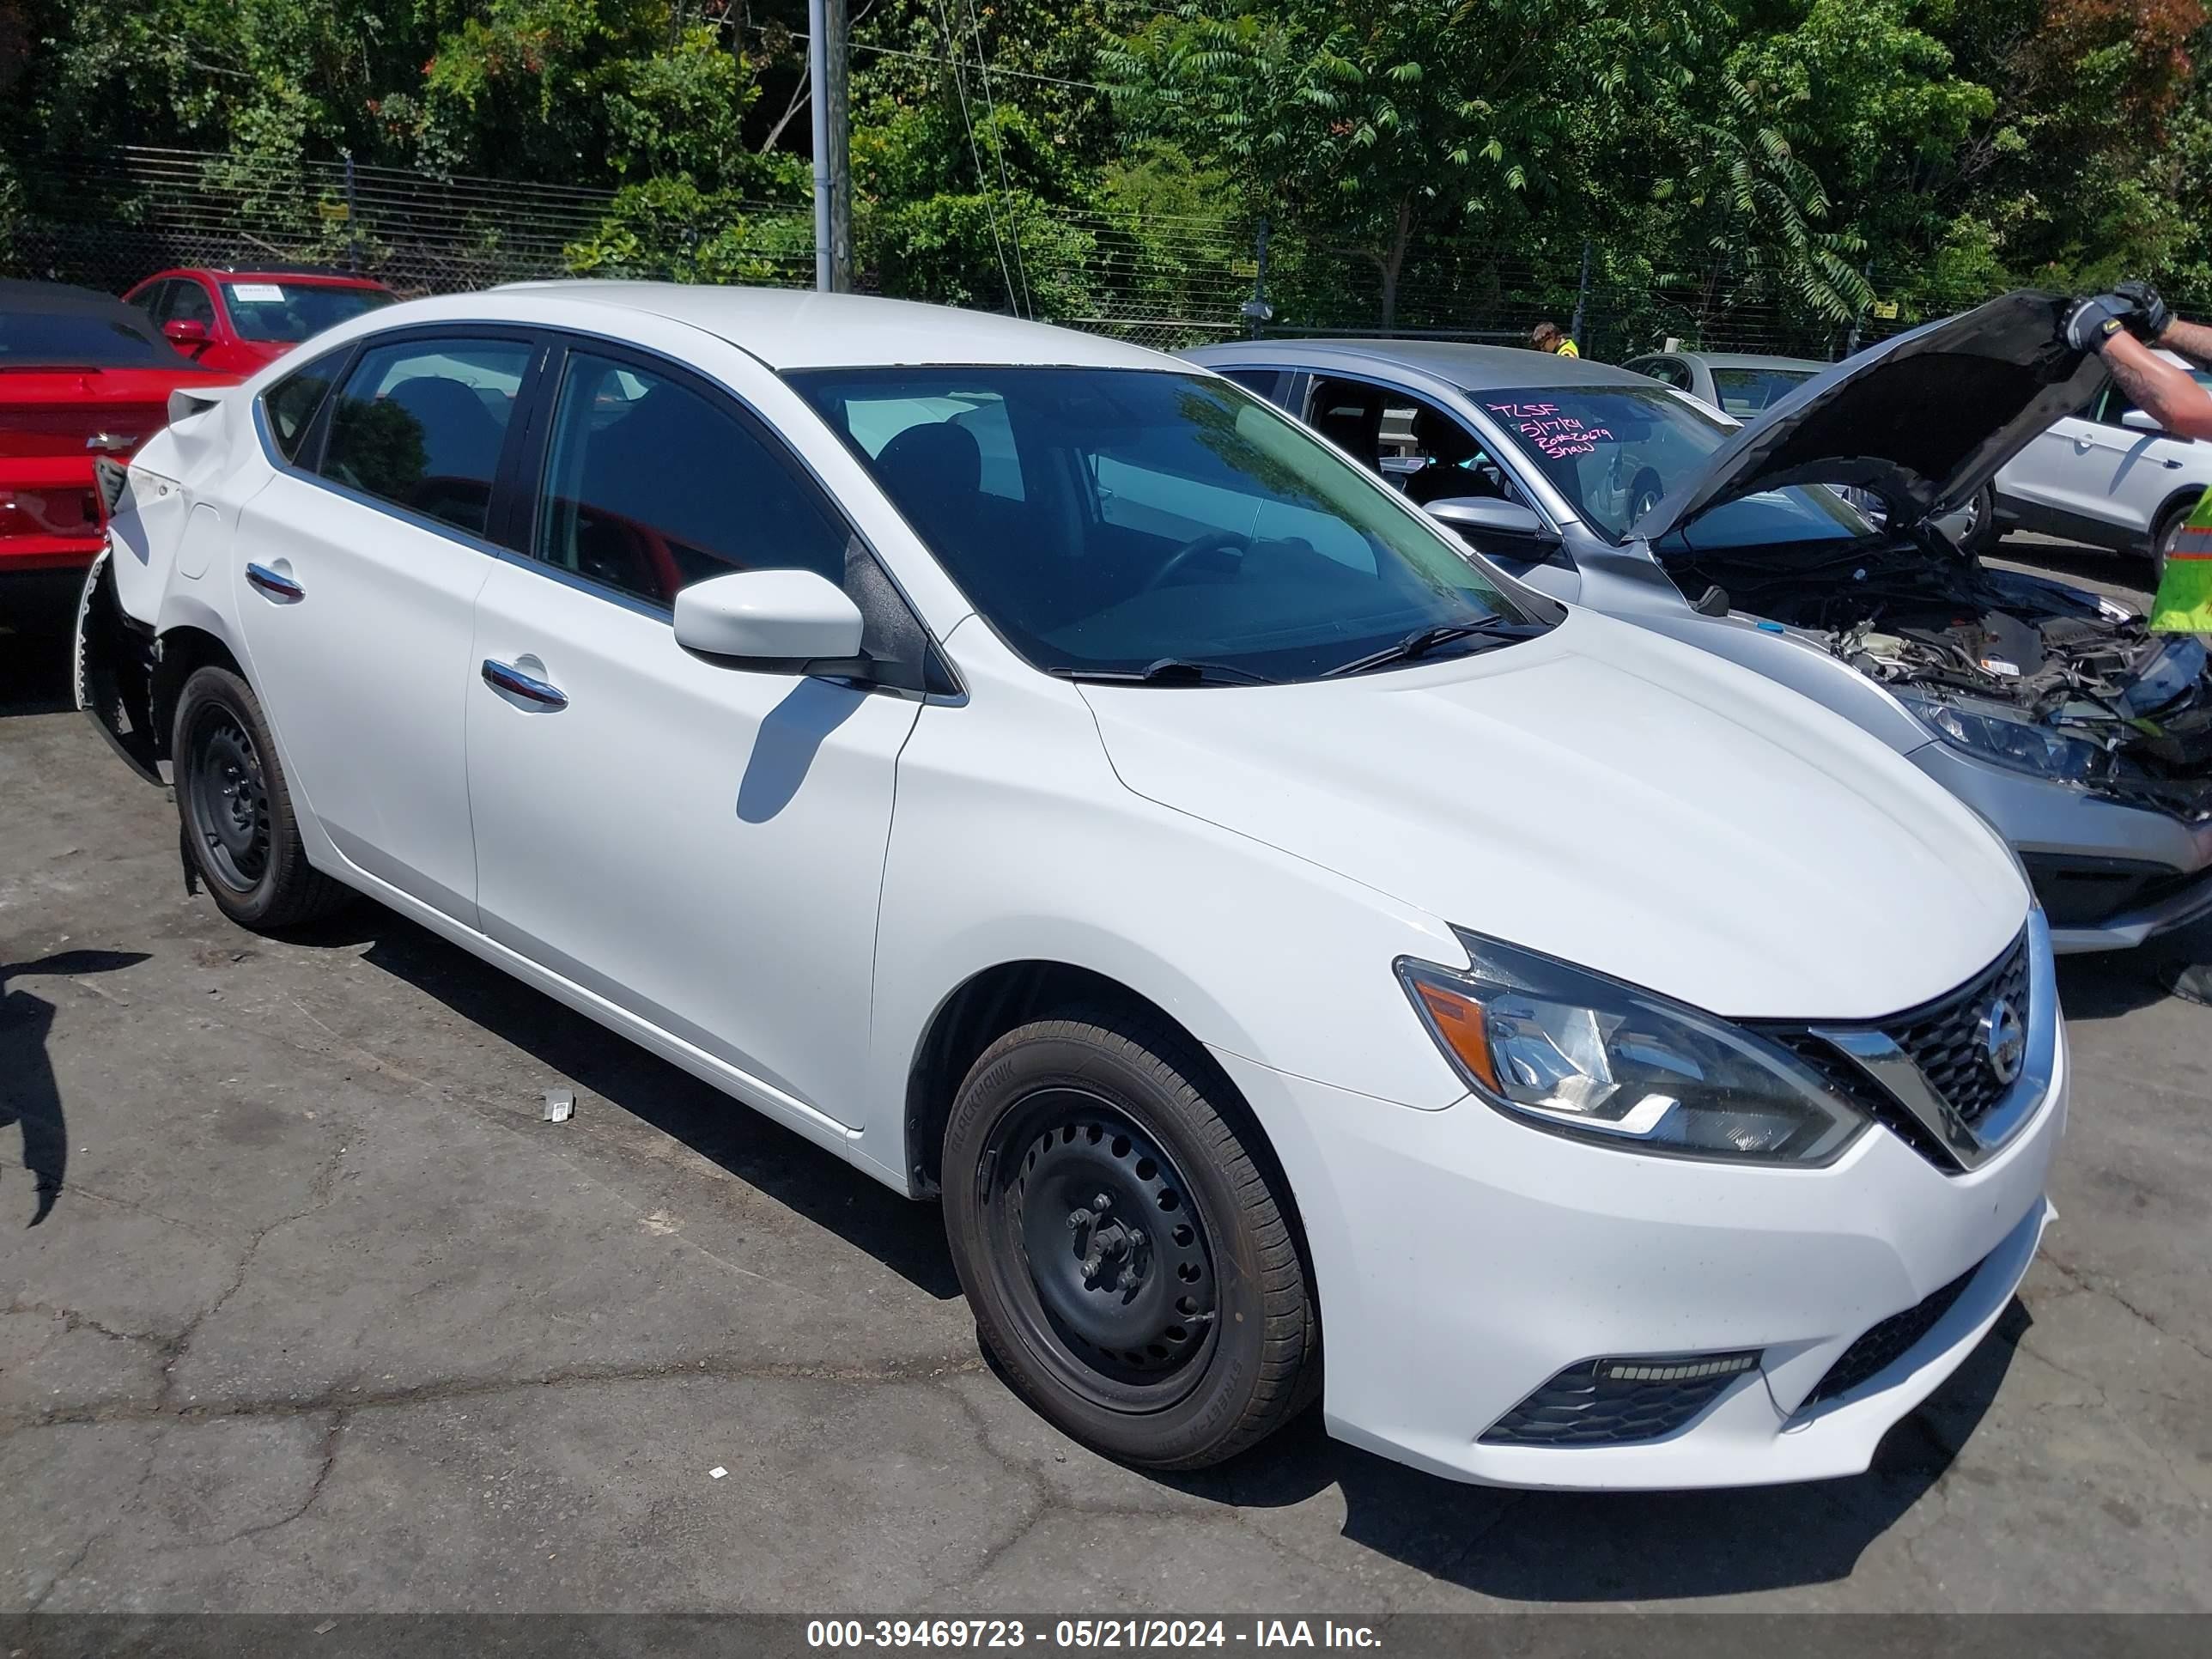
(999, 149)
(960, 87)
(925, 58)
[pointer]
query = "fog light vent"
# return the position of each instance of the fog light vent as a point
(1619, 1401)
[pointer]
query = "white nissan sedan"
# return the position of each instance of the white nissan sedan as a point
(1057, 783)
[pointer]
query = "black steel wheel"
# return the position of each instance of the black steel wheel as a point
(1126, 1241)
(1099, 1247)
(235, 810)
(225, 796)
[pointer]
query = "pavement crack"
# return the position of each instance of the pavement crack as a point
(77, 1189)
(353, 1400)
(329, 1457)
(73, 1320)
(2083, 1280)
(1041, 1506)
(99, 1535)
(2098, 1389)
(319, 1193)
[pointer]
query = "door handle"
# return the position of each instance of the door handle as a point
(276, 585)
(506, 676)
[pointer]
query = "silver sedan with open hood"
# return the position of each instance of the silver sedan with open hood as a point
(2083, 737)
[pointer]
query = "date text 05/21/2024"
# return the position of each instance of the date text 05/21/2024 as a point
(1087, 1633)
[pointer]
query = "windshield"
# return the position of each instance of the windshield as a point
(1615, 452)
(290, 312)
(1742, 392)
(88, 338)
(1108, 520)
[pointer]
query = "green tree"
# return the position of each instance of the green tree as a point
(1367, 126)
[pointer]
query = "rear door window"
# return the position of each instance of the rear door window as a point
(651, 486)
(291, 404)
(420, 424)
(1268, 382)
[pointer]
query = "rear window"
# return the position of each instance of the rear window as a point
(274, 310)
(70, 339)
(1749, 390)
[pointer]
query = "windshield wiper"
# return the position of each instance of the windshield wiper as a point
(1422, 640)
(1171, 671)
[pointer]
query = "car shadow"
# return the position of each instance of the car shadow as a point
(2108, 984)
(1552, 1547)
(30, 1099)
(1533, 1548)
(791, 735)
(34, 657)
(907, 1237)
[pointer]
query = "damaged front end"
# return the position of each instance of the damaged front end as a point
(2017, 670)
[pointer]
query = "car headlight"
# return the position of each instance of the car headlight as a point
(1572, 1052)
(1996, 734)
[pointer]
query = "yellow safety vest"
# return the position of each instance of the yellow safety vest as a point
(2184, 605)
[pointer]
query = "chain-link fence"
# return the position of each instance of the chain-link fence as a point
(109, 221)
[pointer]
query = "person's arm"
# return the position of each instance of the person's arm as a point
(2165, 393)
(2192, 340)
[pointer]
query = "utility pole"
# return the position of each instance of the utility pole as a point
(1256, 311)
(1582, 301)
(353, 219)
(833, 173)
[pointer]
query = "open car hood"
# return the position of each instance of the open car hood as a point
(1923, 421)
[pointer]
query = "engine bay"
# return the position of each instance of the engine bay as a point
(2046, 676)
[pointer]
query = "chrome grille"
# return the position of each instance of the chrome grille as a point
(1927, 1073)
(1944, 1039)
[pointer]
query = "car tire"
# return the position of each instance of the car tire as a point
(1982, 534)
(235, 809)
(1172, 1327)
(2163, 535)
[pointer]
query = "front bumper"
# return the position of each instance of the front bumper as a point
(2156, 870)
(1463, 1260)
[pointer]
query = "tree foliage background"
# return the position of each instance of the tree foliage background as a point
(1417, 160)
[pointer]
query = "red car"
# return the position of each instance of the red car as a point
(82, 376)
(238, 319)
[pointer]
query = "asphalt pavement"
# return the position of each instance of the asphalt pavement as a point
(323, 1317)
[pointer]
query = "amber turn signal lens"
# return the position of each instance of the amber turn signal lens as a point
(1459, 1025)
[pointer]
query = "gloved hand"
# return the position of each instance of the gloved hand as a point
(2090, 322)
(2151, 313)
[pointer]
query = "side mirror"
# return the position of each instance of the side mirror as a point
(2142, 420)
(184, 332)
(1475, 516)
(790, 621)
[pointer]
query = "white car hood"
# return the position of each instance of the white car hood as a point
(1610, 797)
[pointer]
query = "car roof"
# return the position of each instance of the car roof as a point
(320, 275)
(1470, 368)
(53, 299)
(798, 328)
(1743, 360)
(22, 293)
